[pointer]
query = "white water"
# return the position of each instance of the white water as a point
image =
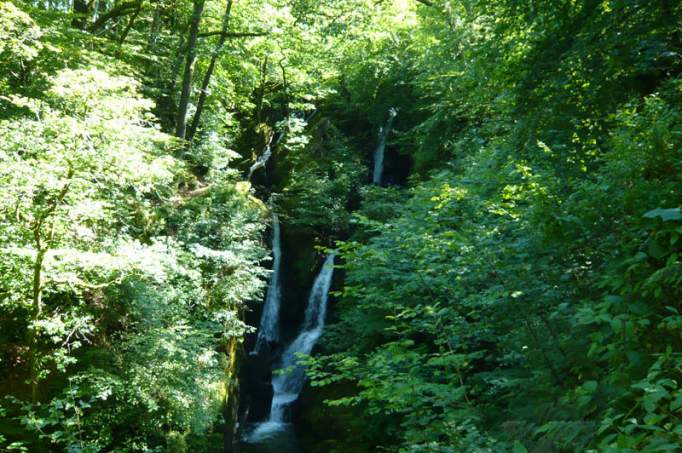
(268, 332)
(381, 147)
(267, 152)
(287, 384)
(261, 161)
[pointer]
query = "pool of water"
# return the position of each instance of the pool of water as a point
(270, 437)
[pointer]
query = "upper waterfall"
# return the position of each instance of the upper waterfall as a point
(379, 152)
(265, 156)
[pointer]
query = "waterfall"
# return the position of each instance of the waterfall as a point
(265, 156)
(261, 161)
(268, 330)
(287, 385)
(379, 152)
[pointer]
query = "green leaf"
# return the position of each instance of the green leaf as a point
(519, 448)
(676, 404)
(665, 214)
(590, 386)
(655, 250)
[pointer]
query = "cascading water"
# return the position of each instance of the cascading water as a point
(288, 383)
(261, 161)
(381, 147)
(265, 156)
(299, 116)
(268, 332)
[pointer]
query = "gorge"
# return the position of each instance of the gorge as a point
(340, 226)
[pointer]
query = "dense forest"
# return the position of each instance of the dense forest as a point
(340, 226)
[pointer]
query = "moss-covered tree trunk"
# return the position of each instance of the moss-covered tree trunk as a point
(231, 406)
(36, 313)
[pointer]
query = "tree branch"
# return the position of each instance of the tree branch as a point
(121, 10)
(232, 34)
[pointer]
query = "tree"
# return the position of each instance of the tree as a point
(82, 10)
(193, 34)
(56, 193)
(203, 92)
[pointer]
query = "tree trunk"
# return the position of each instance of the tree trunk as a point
(81, 11)
(122, 9)
(175, 68)
(37, 311)
(231, 403)
(209, 72)
(43, 239)
(181, 123)
(285, 84)
(261, 90)
(156, 26)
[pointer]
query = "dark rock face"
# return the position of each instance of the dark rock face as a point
(300, 264)
(397, 168)
(256, 390)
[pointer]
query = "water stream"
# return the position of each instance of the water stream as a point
(381, 147)
(261, 161)
(265, 155)
(288, 377)
(268, 332)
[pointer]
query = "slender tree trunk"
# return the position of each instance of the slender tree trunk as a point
(175, 68)
(129, 27)
(287, 100)
(231, 403)
(156, 25)
(209, 72)
(167, 101)
(43, 239)
(37, 311)
(181, 123)
(261, 90)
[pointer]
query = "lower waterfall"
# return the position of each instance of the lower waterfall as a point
(288, 377)
(268, 331)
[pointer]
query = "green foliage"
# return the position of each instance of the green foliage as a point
(19, 43)
(521, 294)
(524, 296)
(322, 182)
(120, 287)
